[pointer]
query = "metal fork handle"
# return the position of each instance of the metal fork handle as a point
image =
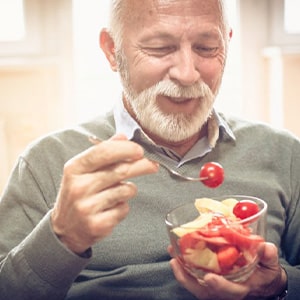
(95, 140)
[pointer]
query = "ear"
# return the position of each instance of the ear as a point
(108, 47)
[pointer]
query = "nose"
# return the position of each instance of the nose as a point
(184, 69)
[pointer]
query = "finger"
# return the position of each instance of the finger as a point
(112, 197)
(126, 170)
(96, 227)
(221, 288)
(269, 255)
(213, 286)
(269, 268)
(171, 251)
(179, 272)
(119, 137)
(104, 154)
(92, 183)
(187, 281)
(103, 223)
(95, 140)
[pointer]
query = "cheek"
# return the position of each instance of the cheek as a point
(142, 79)
(212, 72)
(145, 71)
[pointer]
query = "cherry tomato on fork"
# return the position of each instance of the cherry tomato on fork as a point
(214, 174)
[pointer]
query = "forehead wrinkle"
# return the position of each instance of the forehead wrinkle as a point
(138, 12)
(189, 8)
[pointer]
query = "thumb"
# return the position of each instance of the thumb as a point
(269, 255)
(119, 137)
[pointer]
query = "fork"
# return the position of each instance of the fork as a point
(95, 140)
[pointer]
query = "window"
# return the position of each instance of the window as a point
(284, 23)
(291, 16)
(12, 25)
(19, 27)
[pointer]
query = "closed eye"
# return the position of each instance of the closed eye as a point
(206, 51)
(159, 51)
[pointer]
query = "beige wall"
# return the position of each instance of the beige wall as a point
(270, 67)
(254, 38)
(29, 106)
(291, 92)
(36, 86)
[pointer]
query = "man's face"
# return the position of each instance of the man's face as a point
(171, 64)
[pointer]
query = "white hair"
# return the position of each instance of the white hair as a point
(116, 21)
(118, 12)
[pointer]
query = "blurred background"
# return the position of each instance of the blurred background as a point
(53, 74)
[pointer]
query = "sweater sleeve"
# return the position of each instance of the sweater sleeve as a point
(33, 262)
(290, 239)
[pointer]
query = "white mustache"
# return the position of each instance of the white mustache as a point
(170, 89)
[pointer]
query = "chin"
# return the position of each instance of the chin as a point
(173, 129)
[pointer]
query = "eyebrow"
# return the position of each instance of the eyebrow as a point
(210, 34)
(163, 35)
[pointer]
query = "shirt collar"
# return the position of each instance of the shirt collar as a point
(216, 125)
(124, 122)
(222, 125)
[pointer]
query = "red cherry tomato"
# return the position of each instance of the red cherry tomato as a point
(214, 173)
(245, 209)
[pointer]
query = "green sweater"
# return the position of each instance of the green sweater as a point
(133, 262)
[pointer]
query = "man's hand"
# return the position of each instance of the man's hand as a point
(268, 279)
(94, 191)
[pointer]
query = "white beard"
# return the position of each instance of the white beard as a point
(173, 127)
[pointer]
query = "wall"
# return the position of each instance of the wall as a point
(254, 38)
(291, 91)
(21, 123)
(36, 87)
(270, 66)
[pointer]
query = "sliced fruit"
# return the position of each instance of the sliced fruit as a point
(242, 241)
(230, 202)
(202, 258)
(199, 222)
(213, 240)
(209, 205)
(191, 240)
(227, 256)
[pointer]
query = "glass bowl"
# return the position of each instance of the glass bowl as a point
(214, 240)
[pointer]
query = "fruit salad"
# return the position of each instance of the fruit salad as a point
(223, 239)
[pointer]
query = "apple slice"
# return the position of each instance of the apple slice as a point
(199, 222)
(205, 205)
(202, 258)
(230, 203)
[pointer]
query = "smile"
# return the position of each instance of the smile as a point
(179, 100)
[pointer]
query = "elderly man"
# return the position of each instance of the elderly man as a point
(68, 229)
